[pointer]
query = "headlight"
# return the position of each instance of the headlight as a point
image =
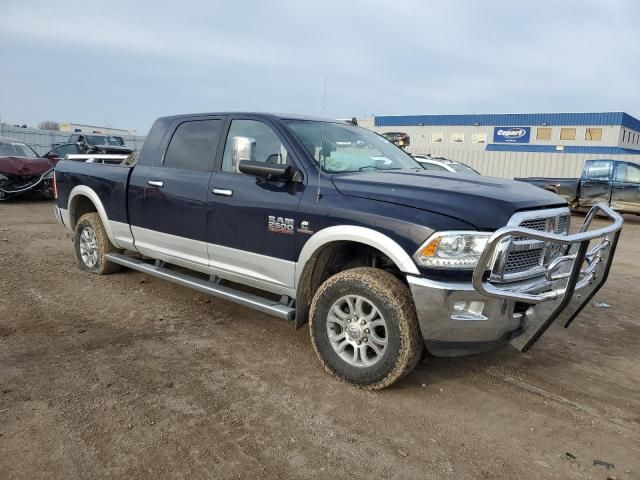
(49, 175)
(3, 179)
(452, 250)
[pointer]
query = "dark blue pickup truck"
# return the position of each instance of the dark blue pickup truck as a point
(324, 222)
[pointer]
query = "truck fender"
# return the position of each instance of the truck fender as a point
(83, 190)
(362, 235)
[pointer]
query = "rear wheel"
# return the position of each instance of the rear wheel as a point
(92, 244)
(364, 328)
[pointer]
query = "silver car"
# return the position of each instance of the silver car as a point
(441, 164)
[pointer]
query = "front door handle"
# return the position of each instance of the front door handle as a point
(156, 183)
(225, 192)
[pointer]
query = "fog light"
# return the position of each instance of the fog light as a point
(468, 311)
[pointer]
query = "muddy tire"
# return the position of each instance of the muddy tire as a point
(364, 328)
(92, 244)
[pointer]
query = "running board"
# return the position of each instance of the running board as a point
(264, 305)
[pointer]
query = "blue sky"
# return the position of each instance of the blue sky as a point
(125, 63)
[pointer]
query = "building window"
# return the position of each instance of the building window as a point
(457, 138)
(543, 133)
(479, 138)
(567, 134)
(437, 137)
(593, 134)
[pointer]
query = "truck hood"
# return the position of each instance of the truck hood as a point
(24, 166)
(487, 203)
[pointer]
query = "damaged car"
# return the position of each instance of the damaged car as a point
(23, 172)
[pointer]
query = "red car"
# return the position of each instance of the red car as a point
(23, 172)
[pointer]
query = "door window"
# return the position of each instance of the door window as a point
(627, 173)
(268, 147)
(599, 170)
(193, 145)
(62, 151)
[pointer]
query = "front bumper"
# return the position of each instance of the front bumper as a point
(459, 318)
(40, 187)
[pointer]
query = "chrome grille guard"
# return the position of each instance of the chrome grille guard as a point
(579, 268)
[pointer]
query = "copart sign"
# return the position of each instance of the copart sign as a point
(511, 134)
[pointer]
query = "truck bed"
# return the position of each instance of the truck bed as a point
(108, 180)
(566, 187)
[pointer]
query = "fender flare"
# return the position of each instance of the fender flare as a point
(352, 233)
(83, 190)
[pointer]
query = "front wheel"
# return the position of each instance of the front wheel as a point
(364, 328)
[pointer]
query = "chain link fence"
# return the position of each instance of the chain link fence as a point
(44, 140)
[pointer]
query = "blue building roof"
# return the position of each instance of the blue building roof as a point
(516, 119)
(510, 147)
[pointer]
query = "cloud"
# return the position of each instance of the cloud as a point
(129, 62)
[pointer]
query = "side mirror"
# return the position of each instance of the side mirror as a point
(243, 150)
(270, 171)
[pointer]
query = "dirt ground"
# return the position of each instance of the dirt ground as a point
(128, 376)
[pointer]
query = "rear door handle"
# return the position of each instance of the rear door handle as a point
(155, 183)
(225, 192)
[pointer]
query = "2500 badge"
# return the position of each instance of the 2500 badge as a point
(280, 225)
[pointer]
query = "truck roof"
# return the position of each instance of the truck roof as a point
(281, 116)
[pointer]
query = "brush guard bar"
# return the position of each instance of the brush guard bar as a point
(583, 266)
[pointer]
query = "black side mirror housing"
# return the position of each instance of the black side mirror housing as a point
(269, 171)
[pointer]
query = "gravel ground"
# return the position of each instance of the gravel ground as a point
(131, 377)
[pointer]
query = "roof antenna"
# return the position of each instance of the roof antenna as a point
(320, 154)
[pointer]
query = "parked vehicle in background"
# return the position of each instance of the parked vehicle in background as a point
(81, 143)
(612, 182)
(378, 255)
(400, 139)
(441, 164)
(23, 172)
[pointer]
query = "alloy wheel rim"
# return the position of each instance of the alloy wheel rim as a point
(357, 331)
(89, 247)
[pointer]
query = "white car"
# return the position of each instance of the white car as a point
(441, 164)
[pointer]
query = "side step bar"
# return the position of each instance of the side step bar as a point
(264, 305)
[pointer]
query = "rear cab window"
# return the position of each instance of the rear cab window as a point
(193, 145)
(598, 170)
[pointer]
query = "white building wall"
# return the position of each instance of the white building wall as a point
(509, 164)
(527, 164)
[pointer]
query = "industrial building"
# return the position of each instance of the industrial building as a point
(80, 128)
(519, 145)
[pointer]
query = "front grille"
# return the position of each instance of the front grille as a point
(535, 224)
(526, 257)
(523, 260)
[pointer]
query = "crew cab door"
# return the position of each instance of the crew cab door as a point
(243, 245)
(625, 191)
(169, 220)
(595, 185)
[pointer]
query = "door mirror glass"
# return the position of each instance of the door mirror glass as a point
(243, 149)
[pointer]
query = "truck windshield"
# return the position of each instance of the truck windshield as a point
(341, 148)
(106, 140)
